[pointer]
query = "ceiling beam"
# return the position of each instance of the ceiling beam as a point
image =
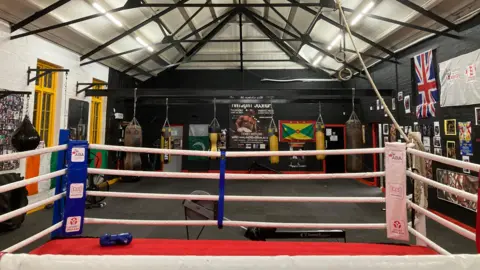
(183, 38)
(429, 14)
(291, 16)
(240, 26)
(186, 17)
(128, 32)
(266, 10)
(404, 24)
(195, 49)
(38, 15)
(342, 27)
(287, 22)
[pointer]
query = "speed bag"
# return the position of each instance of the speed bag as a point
(354, 141)
(25, 137)
(11, 201)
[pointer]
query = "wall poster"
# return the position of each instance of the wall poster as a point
(11, 116)
(465, 138)
(249, 125)
(460, 181)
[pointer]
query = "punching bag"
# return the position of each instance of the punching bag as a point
(133, 138)
(273, 145)
(354, 141)
(166, 143)
(25, 137)
(213, 132)
(320, 140)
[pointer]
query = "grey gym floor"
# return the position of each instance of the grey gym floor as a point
(282, 212)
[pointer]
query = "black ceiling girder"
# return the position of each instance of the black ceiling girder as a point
(112, 56)
(306, 42)
(185, 16)
(361, 53)
(429, 14)
(183, 38)
(287, 22)
(166, 32)
(188, 21)
(310, 29)
(128, 32)
(168, 6)
(341, 27)
(282, 45)
(291, 16)
(234, 5)
(409, 25)
(265, 10)
(205, 39)
(86, 18)
(227, 93)
(241, 40)
(38, 15)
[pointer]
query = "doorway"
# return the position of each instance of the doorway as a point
(335, 139)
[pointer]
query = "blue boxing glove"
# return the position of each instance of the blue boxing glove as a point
(121, 239)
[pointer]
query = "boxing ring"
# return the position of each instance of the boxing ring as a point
(72, 252)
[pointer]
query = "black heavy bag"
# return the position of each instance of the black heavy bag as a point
(354, 140)
(12, 200)
(25, 137)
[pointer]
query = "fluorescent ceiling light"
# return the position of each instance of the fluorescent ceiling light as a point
(317, 61)
(109, 16)
(99, 8)
(335, 41)
(368, 7)
(356, 20)
(140, 40)
(150, 49)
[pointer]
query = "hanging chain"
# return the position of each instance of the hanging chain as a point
(215, 108)
(27, 113)
(65, 114)
(320, 113)
(166, 123)
(135, 103)
(353, 99)
(272, 121)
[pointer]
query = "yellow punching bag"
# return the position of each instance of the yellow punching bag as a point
(273, 145)
(213, 135)
(166, 143)
(320, 140)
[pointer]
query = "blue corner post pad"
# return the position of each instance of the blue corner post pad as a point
(74, 209)
(221, 189)
(60, 183)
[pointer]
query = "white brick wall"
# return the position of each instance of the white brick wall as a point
(15, 58)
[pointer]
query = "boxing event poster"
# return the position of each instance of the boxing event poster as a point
(465, 138)
(249, 125)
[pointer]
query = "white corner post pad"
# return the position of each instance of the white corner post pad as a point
(396, 191)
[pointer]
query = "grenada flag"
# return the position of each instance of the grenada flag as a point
(297, 131)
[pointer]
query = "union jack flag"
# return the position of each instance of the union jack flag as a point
(426, 84)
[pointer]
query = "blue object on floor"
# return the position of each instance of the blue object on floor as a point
(122, 239)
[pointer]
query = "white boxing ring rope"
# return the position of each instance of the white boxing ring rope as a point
(235, 198)
(236, 176)
(31, 206)
(449, 161)
(20, 155)
(32, 180)
(32, 239)
(235, 154)
(233, 223)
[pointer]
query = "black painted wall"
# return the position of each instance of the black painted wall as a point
(151, 117)
(399, 77)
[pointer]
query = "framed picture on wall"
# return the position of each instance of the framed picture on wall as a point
(450, 127)
(385, 139)
(386, 129)
(437, 151)
(451, 151)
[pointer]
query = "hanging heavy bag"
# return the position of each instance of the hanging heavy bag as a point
(320, 139)
(11, 201)
(166, 143)
(273, 145)
(25, 137)
(133, 137)
(213, 132)
(354, 140)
